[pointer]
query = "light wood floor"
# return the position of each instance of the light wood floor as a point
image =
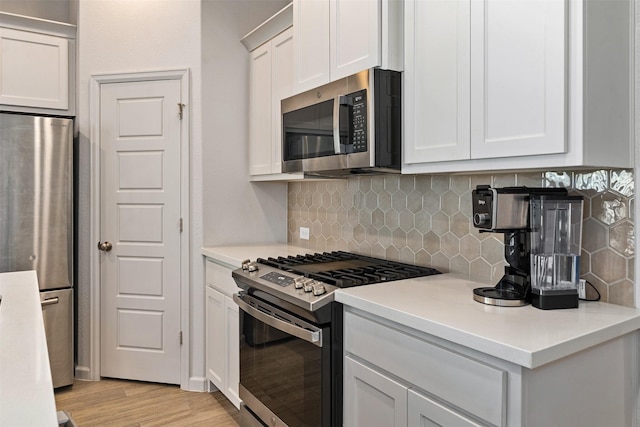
(135, 404)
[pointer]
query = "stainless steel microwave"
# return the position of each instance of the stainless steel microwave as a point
(350, 126)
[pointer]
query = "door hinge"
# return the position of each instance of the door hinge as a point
(180, 337)
(180, 109)
(180, 224)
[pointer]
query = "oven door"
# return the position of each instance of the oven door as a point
(285, 372)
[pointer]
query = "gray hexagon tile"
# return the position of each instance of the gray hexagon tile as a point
(460, 184)
(470, 247)
(426, 220)
(608, 265)
(440, 184)
(594, 235)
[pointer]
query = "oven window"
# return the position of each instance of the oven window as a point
(282, 371)
(308, 132)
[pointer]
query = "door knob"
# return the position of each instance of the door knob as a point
(105, 246)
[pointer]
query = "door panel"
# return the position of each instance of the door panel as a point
(371, 398)
(518, 87)
(140, 213)
(437, 81)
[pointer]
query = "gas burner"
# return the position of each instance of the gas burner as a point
(304, 284)
(344, 269)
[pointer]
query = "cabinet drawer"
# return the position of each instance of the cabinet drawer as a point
(219, 277)
(471, 385)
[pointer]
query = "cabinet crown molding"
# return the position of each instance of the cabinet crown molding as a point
(37, 25)
(273, 26)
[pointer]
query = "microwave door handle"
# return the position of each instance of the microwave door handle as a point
(336, 125)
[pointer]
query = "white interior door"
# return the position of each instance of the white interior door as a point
(140, 216)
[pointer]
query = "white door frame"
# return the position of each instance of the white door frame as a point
(94, 259)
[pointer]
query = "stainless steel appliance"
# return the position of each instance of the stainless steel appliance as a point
(291, 333)
(350, 126)
(36, 222)
(532, 222)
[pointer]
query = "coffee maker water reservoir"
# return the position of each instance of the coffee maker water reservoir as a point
(556, 238)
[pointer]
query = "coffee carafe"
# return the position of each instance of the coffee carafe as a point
(549, 226)
(556, 238)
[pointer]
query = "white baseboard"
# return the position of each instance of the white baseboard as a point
(84, 373)
(197, 384)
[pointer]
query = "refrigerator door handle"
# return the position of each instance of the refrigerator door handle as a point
(50, 301)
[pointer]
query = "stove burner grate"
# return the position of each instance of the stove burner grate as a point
(344, 269)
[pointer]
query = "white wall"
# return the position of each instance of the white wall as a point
(235, 211)
(117, 36)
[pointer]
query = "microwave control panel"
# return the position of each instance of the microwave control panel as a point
(353, 117)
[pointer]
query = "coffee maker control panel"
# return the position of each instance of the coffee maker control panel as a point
(505, 209)
(482, 199)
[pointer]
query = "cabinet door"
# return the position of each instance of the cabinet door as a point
(232, 325)
(310, 44)
(34, 70)
(215, 338)
(282, 87)
(518, 77)
(260, 132)
(372, 399)
(355, 36)
(437, 81)
(425, 412)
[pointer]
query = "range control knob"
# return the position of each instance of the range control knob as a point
(298, 282)
(318, 289)
(308, 285)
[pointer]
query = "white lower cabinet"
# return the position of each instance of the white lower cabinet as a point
(371, 398)
(426, 412)
(216, 332)
(222, 332)
(374, 399)
(398, 376)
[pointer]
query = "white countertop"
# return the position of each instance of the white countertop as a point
(233, 256)
(26, 388)
(443, 306)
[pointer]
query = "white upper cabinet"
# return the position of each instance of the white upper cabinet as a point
(437, 95)
(517, 84)
(281, 87)
(310, 43)
(271, 80)
(354, 34)
(36, 65)
(260, 123)
(271, 74)
(517, 78)
(337, 38)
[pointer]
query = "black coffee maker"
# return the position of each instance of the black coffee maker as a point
(506, 210)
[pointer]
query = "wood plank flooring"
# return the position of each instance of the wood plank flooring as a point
(125, 403)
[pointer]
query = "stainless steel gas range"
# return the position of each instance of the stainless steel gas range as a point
(291, 333)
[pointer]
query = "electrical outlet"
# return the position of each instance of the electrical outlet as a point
(304, 233)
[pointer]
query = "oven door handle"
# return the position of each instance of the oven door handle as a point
(313, 337)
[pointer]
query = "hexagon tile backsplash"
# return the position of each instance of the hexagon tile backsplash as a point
(426, 220)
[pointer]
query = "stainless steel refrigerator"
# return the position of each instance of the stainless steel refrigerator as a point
(36, 222)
